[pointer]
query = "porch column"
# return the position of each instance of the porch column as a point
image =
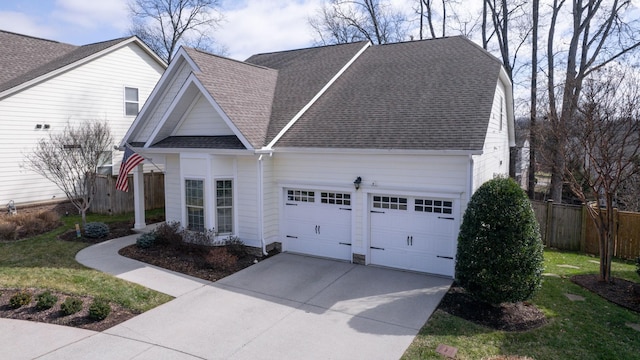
(138, 197)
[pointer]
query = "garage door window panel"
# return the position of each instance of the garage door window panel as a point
(433, 206)
(390, 202)
(335, 198)
(301, 196)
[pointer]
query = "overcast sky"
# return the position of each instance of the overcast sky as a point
(250, 26)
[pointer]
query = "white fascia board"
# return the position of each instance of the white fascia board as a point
(68, 67)
(374, 151)
(193, 80)
(316, 97)
(508, 86)
(179, 59)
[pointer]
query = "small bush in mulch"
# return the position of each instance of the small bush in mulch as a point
(20, 299)
(8, 230)
(46, 300)
(99, 309)
(96, 230)
(71, 306)
(169, 234)
(219, 258)
(146, 240)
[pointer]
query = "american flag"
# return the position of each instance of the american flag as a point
(129, 161)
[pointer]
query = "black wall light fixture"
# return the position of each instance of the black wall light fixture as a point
(357, 182)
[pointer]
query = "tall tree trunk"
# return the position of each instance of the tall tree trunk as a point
(533, 143)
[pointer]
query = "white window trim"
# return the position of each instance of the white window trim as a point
(233, 206)
(205, 209)
(125, 101)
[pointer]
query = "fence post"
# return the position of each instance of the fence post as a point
(616, 247)
(583, 232)
(548, 231)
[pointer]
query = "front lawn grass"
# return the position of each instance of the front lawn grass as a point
(590, 329)
(44, 262)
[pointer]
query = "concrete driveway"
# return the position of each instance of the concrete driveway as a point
(286, 307)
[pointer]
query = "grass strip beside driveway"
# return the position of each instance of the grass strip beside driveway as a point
(590, 329)
(46, 263)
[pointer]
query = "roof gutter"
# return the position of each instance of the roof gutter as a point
(316, 97)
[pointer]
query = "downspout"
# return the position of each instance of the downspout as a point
(470, 177)
(261, 204)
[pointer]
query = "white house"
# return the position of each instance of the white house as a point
(45, 84)
(355, 152)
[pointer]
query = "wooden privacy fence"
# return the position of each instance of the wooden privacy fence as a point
(108, 200)
(569, 227)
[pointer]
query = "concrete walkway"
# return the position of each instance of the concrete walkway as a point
(286, 307)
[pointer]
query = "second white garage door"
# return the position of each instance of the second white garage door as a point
(413, 233)
(318, 223)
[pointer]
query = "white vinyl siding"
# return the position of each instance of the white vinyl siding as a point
(92, 91)
(172, 186)
(202, 120)
(415, 173)
(495, 158)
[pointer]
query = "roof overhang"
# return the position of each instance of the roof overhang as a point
(443, 152)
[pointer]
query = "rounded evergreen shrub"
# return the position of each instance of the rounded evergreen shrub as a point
(99, 309)
(45, 300)
(500, 253)
(96, 230)
(71, 306)
(146, 241)
(20, 299)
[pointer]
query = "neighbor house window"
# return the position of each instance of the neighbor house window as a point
(131, 103)
(194, 196)
(224, 206)
(105, 164)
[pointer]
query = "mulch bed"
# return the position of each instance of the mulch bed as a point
(620, 292)
(520, 316)
(55, 316)
(116, 230)
(185, 260)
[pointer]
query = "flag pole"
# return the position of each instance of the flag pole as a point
(126, 144)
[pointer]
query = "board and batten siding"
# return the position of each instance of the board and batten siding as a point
(91, 91)
(202, 120)
(494, 160)
(172, 189)
(379, 172)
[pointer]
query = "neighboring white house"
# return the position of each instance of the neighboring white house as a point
(355, 152)
(46, 84)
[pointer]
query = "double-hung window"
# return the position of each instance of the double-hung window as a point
(131, 102)
(224, 206)
(194, 196)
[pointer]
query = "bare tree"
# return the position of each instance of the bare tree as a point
(599, 35)
(166, 24)
(70, 160)
(603, 152)
(533, 114)
(343, 21)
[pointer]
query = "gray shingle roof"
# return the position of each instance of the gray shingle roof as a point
(26, 58)
(243, 91)
(200, 142)
(301, 75)
(429, 95)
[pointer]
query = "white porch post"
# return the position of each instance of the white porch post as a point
(138, 197)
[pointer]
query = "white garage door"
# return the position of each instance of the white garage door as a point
(413, 233)
(318, 223)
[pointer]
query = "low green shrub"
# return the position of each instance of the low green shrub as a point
(71, 306)
(99, 309)
(46, 300)
(219, 258)
(146, 241)
(96, 230)
(20, 299)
